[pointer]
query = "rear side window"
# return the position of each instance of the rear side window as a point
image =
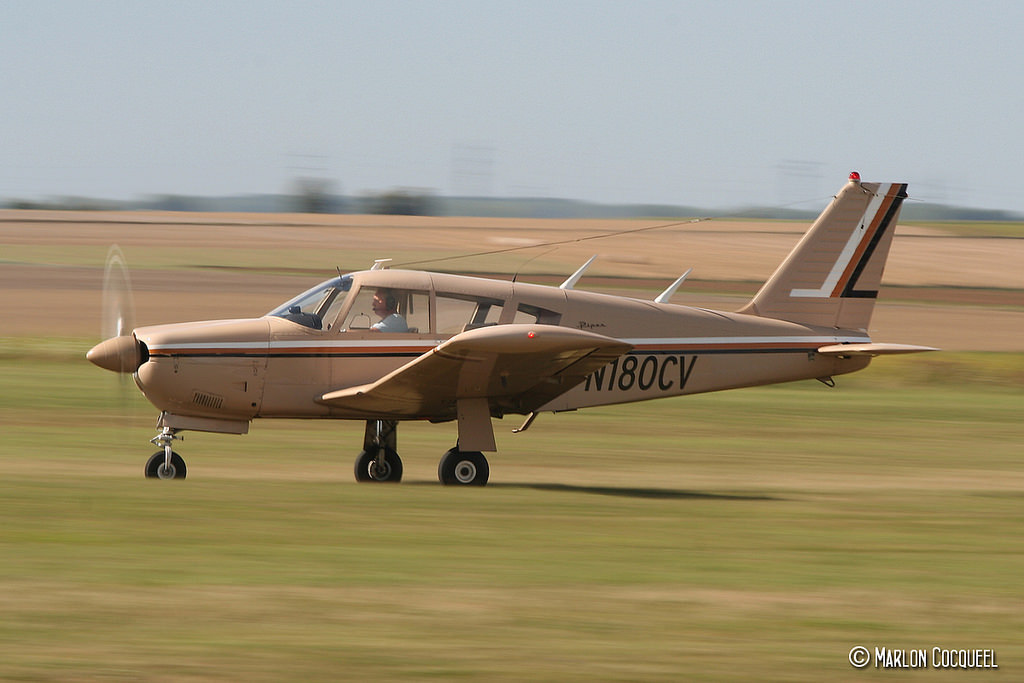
(460, 312)
(526, 314)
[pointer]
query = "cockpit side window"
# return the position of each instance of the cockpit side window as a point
(384, 309)
(314, 306)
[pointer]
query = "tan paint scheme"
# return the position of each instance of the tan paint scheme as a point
(218, 375)
(214, 383)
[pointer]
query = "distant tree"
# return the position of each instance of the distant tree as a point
(173, 202)
(404, 202)
(65, 204)
(314, 195)
(24, 204)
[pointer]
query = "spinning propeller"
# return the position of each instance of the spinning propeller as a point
(119, 352)
(122, 353)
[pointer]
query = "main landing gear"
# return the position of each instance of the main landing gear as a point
(379, 461)
(463, 468)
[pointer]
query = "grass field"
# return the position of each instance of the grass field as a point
(755, 534)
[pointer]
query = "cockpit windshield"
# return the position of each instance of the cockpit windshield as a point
(317, 305)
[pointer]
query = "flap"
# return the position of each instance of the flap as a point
(517, 367)
(871, 349)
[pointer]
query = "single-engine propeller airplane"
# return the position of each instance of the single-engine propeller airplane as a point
(470, 349)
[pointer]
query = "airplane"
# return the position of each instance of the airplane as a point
(387, 345)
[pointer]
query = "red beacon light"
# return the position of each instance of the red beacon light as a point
(854, 176)
(531, 334)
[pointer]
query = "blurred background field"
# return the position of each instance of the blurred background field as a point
(755, 534)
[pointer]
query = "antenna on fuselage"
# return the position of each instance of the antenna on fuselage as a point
(667, 294)
(575, 277)
(531, 260)
(381, 264)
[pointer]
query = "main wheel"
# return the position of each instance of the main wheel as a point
(463, 468)
(367, 468)
(155, 468)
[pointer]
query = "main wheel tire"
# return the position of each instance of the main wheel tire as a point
(155, 468)
(367, 468)
(463, 468)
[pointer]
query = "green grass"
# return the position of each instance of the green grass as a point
(754, 534)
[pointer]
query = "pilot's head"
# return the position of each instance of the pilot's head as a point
(384, 302)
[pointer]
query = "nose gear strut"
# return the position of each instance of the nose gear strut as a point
(165, 463)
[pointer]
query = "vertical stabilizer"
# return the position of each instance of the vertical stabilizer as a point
(832, 276)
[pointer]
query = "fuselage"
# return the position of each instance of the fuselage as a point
(280, 365)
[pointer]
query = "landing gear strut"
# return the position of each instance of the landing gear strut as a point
(165, 463)
(379, 461)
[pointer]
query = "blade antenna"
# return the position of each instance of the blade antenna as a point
(571, 281)
(667, 294)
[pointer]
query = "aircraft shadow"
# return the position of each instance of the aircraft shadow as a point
(633, 492)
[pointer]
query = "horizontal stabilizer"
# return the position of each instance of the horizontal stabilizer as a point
(871, 349)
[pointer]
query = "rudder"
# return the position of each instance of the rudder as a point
(832, 276)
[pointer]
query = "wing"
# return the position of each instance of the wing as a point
(871, 349)
(517, 368)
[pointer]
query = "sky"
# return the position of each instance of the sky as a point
(713, 103)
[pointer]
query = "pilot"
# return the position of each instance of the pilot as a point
(385, 304)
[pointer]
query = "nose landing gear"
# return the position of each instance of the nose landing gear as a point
(165, 463)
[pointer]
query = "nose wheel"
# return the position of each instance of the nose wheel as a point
(165, 463)
(157, 468)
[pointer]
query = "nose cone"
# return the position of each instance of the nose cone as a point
(117, 354)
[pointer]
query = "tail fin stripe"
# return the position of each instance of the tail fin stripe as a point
(832, 281)
(873, 219)
(832, 276)
(858, 250)
(884, 221)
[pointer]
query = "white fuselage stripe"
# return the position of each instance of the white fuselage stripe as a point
(385, 345)
(717, 341)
